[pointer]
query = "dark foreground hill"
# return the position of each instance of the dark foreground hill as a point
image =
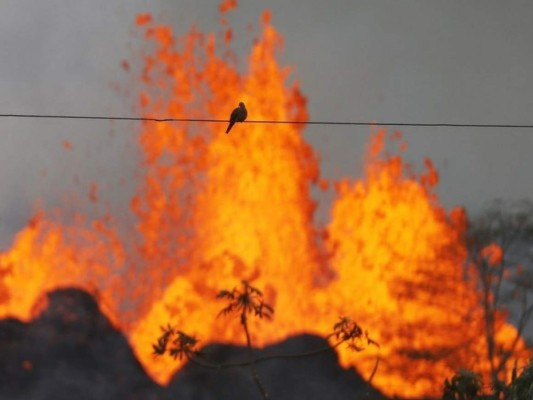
(71, 351)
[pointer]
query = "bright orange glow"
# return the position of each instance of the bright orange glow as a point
(401, 253)
(213, 209)
(45, 256)
(493, 253)
(227, 5)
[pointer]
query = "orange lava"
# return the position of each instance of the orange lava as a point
(213, 209)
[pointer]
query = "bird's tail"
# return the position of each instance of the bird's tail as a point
(230, 126)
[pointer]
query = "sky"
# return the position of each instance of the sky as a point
(400, 61)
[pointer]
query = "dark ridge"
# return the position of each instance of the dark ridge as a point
(69, 351)
(316, 377)
(72, 351)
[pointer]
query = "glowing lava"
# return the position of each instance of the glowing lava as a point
(213, 209)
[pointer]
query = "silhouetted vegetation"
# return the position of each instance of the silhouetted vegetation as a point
(499, 241)
(464, 385)
(467, 385)
(500, 258)
(246, 302)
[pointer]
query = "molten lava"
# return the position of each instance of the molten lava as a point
(213, 209)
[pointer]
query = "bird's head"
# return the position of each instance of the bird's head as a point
(241, 104)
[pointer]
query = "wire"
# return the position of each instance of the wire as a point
(207, 120)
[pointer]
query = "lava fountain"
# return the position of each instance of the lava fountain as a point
(213, 209)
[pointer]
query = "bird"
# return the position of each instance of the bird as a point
(237, 115)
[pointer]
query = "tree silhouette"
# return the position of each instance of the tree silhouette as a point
(245, 302)
(498, 241)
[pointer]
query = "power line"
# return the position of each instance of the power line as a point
(207, 120)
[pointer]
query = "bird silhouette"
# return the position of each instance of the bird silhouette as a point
(237, 115)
